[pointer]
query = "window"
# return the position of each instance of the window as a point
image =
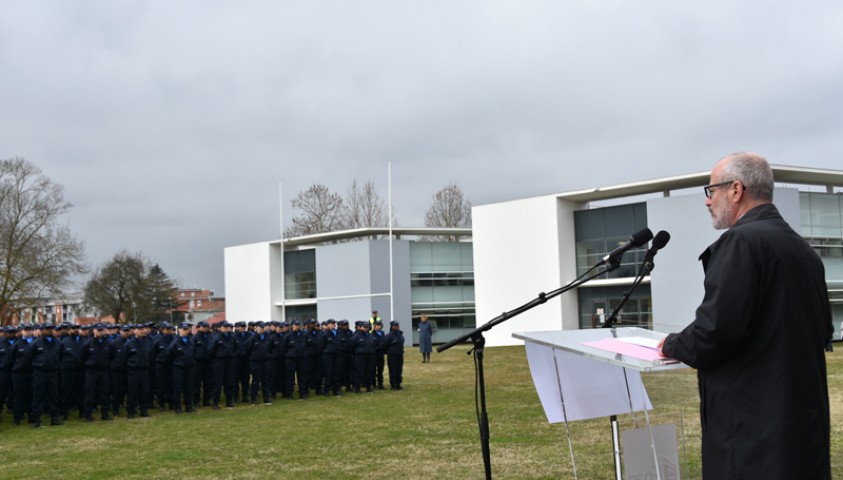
(300, 274)
(596, 305)
(601, 230)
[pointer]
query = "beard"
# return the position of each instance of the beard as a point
(720, 215)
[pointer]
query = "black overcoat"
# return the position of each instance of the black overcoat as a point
(758, 343)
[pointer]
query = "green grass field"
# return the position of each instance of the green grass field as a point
(428, 430)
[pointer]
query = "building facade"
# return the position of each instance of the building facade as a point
(527, 246)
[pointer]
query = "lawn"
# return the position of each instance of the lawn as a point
(428, 430)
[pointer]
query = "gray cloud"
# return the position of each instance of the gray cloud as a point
(171, 124)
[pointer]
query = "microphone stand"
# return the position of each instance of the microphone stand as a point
(479, 343)
(646, 267)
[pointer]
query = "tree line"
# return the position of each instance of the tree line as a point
(319, 210)
(40, 257)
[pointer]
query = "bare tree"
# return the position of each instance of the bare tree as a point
(320, 211)
(130, 288)
(39, 256)
(363, 207)
(449, 208)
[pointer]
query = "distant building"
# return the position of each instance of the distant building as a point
(196, 304)
(55, 310)
(191, 304)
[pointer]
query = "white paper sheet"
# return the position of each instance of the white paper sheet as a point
(589, 388)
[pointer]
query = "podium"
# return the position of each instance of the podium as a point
(594, 373)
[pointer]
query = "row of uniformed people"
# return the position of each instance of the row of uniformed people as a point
(60, 368)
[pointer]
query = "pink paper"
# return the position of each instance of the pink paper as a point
(629, 349)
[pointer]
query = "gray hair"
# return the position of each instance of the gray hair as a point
(753, 171)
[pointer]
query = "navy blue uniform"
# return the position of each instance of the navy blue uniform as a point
(277, 369)
(139, 359)
(312, 360)
(46, 362)
(344, 362)
(72, 376)
(241, 363)
(163, 371)
(258, 350)
(181, 355)
(394, 348)
(294, 346)
(204, 373)
(364, 360)
(222, 351)
(96, 358)
(377, 339)
(117, 374)
(21, 378)
(329, 345)
(6, 372)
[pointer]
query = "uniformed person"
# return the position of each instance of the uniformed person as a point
(163, 367)
(95, 357)
(394, 348)
(377, 340)
(22, 374)
(242, 338)
(312, 358)
(277, 364)
(139, 358)
(118, 376)
(258, 350)
(7, 340)
(364, 358)
(222, 351)
(294, 352)
(346, 354)
(182, 360)
(46, 362)
(329, 345)
(204, 373)
(72, 376)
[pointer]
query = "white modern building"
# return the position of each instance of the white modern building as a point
(532, 245)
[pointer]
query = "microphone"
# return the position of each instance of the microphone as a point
(659, 242)
(636, 240)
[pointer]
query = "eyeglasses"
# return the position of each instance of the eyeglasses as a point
(708, 188)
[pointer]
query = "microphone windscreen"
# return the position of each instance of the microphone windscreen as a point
(640, 237)
(661, 240)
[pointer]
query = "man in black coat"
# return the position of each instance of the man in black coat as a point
(759, 336)
(96, 357)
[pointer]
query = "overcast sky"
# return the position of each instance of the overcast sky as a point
(172, 123)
